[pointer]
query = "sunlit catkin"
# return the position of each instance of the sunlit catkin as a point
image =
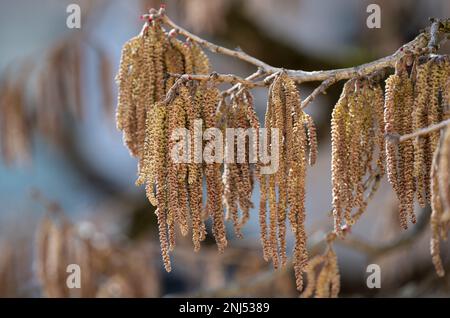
(400, 158)
(238, 173)
(440, 200)
(126, 112)
(339, 154)
(213, 172)
(421, 94)
(285, 189)
(357, 134)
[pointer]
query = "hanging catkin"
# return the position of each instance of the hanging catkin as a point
(148, 63)
(213, 172)
(400, 158)
(158, 109)
(238, 176)
(429, 108)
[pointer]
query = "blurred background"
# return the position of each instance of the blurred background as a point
(66, 177)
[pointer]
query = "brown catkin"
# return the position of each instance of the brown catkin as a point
(312, 140)
(435, 222)
(440, 203)
(357, 129)
(328, 278)
(267, 253)
(238, 177)
(126, 112)
(407, 152)
(420, 121)
(395, 161)
(174, 61)
(279, 115)
(231, 176)
(144, 85)
(182, 167)
(271, 191)
(339, 154)
(378, 107)
(162, 203)
(297, 197)
(148, 121)
(200, 60)
(310, 271)
(392, 83)
(244, 182)
(265, 202)
(213, 173)
(273, 221)
(160, 46)
(195, 173)
(444, 174)
(285, 189)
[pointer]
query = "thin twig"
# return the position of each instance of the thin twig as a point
(418, 45)
(395, 138)
(235, 87)
(224, 78)
(321, 89)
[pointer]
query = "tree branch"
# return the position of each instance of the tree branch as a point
(224, 78)
(396, 139)
(253, 76)
(419, 45)
(427, 41)
(321, 89)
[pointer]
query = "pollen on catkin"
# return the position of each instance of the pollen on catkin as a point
(150, 127)
(430, 91)
(400, 158)
(238, 178)
(285, 189)
(356, 132)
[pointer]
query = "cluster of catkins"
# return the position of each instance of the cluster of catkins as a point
(415, 98)
(322, 273)
(144, 78)
(357, 133)
(364, 123)
(238, 175)
(148, 121)
(152, 107)
(283, 193)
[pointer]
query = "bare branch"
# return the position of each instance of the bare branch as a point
(424, 131)
(222, 78)
(419, 45)
(253, 76)
(321, 89)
